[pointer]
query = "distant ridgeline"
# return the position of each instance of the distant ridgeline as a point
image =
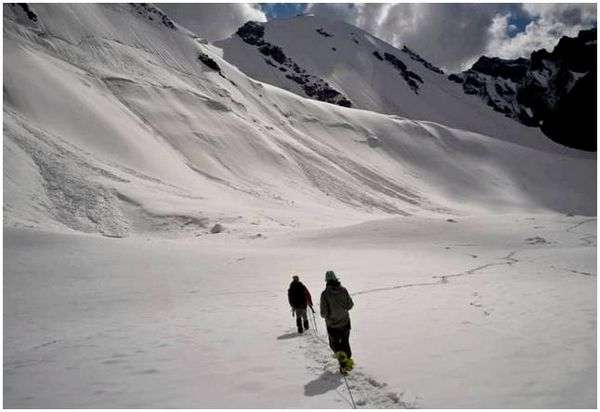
(555, 91)
(314, 87)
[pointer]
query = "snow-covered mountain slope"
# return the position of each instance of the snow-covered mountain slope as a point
(307, 54)
(553, 90)
(118, 121)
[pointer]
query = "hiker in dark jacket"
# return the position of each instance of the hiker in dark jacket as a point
(335, 304)
(299, 298)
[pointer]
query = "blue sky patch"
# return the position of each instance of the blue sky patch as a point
(282, 10)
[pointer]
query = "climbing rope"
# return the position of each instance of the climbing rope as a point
(350, 392)
(316, 335)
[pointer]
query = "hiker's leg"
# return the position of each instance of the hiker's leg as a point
(338, 340)
(345, 342)
(305, 318)
(332, 339)
(298, 320)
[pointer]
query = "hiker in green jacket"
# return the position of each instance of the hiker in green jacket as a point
(335, 304)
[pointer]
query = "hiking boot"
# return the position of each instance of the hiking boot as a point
(341, 357)
(346, 363)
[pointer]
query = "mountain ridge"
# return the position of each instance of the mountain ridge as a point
(122, 125)
(370, 73)
(554, 91)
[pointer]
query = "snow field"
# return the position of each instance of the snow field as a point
(145, 322)
(471, 258)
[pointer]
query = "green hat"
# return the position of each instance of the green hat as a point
(329, 275)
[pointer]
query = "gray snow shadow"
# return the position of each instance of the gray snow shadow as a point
(328, 381)
(367, 391)
(288, 336)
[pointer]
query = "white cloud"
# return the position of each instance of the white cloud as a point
(446, 34)
(567, 13)
(551, 22)
(452, 36)
(212, 21)
(455, 35)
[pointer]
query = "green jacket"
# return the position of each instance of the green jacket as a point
(335, 304)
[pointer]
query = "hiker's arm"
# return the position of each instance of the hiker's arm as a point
(349, 302)
(308, 297)
(324, 308)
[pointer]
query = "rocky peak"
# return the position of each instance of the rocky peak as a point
(252, 33)
(576, 53)
(535, 91)
(313, 86)
(514, 70)
(421, 60)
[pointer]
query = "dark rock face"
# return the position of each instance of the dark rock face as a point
(421, 60)
(552, 90)
(25, 9)
(323, 33)
(274, 52)
(514, 70)
(252, 33)
(376, 54)
(151, 12)
(456, 78)
(30, 13)
(573, 123)
(208, 62)
(577, 53)
(313, 86)
(411, 78)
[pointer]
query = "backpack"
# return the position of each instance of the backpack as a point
(297, 295)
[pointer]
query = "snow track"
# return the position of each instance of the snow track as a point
(96, 322)
(509, 260)
(368, 392)
(114, 127)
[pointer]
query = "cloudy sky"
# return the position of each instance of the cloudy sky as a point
(449, 35)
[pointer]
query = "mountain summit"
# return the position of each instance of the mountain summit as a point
(333, 61)
(553, 90)
(469, 255)
(119, 121)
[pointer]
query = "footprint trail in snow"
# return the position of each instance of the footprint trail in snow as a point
(367, 392)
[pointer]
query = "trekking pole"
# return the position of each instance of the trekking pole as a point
(349, 392)
(314, 320)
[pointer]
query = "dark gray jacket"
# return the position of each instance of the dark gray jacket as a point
(335, 304)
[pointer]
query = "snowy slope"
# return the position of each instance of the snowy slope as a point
(120, 123)
(117, 127)
(91, 322)
(371, 73)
